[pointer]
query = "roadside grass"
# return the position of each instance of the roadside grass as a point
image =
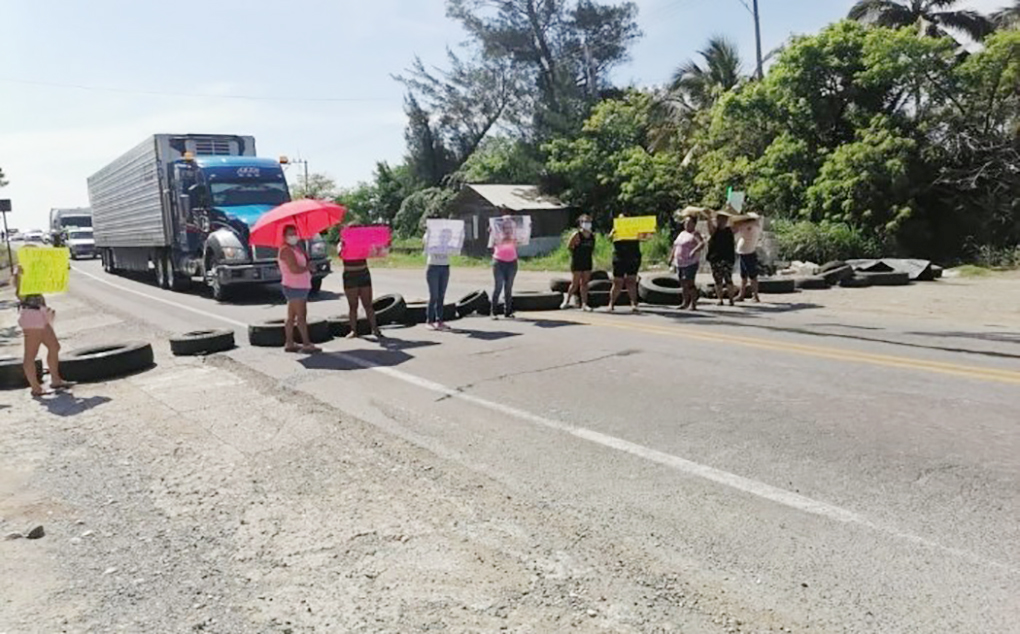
(973, 270)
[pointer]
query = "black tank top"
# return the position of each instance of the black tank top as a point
(585, 246)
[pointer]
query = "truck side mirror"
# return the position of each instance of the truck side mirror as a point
(199, 196)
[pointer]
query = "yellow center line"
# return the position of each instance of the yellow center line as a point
(838, 354)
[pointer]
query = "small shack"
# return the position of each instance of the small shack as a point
(476, 204)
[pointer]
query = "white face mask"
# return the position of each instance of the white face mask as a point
(293, 240)
(586, 226)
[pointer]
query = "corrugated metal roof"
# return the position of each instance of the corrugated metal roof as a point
(517, 197)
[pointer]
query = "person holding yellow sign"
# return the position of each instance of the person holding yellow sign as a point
(626, 236)
(38, 271)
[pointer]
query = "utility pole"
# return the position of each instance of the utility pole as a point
(757, 39)
(289, 161)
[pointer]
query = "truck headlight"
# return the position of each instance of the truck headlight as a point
(317, 249)
(234, 253)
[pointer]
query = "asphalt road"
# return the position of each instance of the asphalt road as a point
(839, 474)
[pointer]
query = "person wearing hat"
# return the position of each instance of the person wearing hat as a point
(748, 229)
(686, 257)
(721, 255)
(582, 252)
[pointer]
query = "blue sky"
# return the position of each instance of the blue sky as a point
(53, 137)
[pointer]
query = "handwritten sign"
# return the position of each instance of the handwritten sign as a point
(505, 228)
(444, 237)
(640, 228)
(44, 270)
(361, 243)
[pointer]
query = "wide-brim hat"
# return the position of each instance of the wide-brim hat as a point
(689, 211)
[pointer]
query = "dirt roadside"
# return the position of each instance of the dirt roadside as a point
(202, 496)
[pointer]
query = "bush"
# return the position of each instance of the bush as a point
(823, 241)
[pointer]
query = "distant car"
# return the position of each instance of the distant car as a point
(81, 243)
(33, 237)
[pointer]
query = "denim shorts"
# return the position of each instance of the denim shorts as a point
(689, 273)
(749, 266)
(295, 294)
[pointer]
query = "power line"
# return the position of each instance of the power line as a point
(130, 91)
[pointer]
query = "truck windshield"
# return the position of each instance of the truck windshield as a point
(76, 221)
(248, 193)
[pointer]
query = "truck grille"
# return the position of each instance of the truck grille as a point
(263, 253)
(212, 147)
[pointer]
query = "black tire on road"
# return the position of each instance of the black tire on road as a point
(936, 271)
(269, 334)
(450, 312)
(837, 275)
(199, 342)
(537, 301)
(855, 282)
(661, 290)
(98, 363)
(599, 275)
(891, 278)
(816, 282)
(316, 286)
(832, 266)
(12, 376)
(416, 313)
(389, 309)
(600, 285)
(776, 285)
(559, 285)
(477, 302)
(598, 299)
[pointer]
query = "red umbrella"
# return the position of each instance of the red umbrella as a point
(309, 217)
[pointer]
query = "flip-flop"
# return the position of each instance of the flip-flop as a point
(66, 385)
(294, 349)
(310, 349)
(38, 395)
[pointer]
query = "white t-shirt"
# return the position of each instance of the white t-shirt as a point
(748, 235)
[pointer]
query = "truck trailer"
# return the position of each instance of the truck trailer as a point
(180, 206)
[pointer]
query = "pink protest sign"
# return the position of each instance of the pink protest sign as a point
(360, 243)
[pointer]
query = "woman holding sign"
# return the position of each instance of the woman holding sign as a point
(439, 246)
(504, 263)
(626, 264)
(357, 277)
(36, 321)
(582, 251)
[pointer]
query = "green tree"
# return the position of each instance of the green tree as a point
(428, 158)
(1008, 17)
(318, 186)
(502, 160)
(932, 18)
(567, 49)
(700, 85)
(427, 203)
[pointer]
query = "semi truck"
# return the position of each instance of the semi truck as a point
(180, 207)
(62, 218)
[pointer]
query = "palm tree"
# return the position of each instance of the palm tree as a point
(933, 18)
(1008, 17)
(700, 85)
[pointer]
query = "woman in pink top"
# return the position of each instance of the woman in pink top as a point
(296, 279)
(687, 256)
(504, 265)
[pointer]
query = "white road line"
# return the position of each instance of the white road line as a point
(682, 465)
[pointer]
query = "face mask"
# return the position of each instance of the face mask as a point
(293, 240)
(586, 226)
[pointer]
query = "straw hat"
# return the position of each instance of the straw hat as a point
(686, 212)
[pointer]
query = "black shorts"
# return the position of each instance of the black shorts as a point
(581, 264)
(626, 268)
(357, 279)
(749, 266)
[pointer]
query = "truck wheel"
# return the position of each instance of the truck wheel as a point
(415, 313)
(99, 363)
(219, 292)
(162, 279)
(389, 309)
(537, 301)
(201, 342)
(12, 376)
(661, 289)
(316, 286)
(477, 302)
(269, 334)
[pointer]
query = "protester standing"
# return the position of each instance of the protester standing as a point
(437, 275)
(582, 254)
(748, 235)
(721, 255)
(504, 265)
(626, 264)
(358, 288)
(686, 256)
(36, 321)
(296, 281)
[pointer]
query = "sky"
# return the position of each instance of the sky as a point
(83, 82)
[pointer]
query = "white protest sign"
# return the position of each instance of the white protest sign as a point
(736, 200)
(507, 228)
(444, 237)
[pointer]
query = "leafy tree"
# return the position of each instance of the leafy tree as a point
(932, 18)
(318, 186)
(428, 158)
(1008, 17)
(427, 203)
(699, 85)
(392, 186)
(566, 48)
(502, 160)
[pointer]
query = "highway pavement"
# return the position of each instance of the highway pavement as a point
(832, 470)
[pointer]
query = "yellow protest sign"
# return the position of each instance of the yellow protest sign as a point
(44, 270)
(640, 228)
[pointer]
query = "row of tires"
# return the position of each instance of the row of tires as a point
(85, 365)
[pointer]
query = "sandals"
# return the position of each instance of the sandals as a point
(65, 385)
(310, 349)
